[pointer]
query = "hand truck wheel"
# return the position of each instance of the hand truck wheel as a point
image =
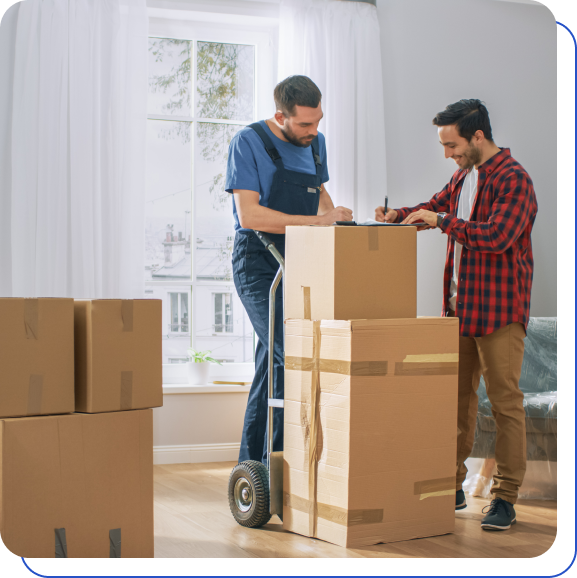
(248, 494)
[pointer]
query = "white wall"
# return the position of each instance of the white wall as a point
(199, 427)
(436, 52)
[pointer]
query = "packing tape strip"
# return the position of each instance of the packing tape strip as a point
(126, 378)
(335, 514)
(314, 430)
(307, 303)
(432, 358)
(115, 543)
(35, 387)
(373, 238)
(127, 312)
(60, 548)
(442, 368)
(353, 368)
(31, 318)
(435, 487)
(443, 493)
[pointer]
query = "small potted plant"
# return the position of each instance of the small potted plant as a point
(198, 366)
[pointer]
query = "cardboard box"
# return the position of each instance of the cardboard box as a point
(77, 486)
(118, 354)
(36, 356)
(351, 272)
(383, 395)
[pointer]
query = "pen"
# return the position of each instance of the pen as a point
(386, 204)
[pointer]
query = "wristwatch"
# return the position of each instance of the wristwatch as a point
(440, 217)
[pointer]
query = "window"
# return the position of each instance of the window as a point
(178, 312)
(202, 90)
(223, 313)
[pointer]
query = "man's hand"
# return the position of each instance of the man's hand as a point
(428, 217)
(380, 216)
(338, 214)
(252, 215)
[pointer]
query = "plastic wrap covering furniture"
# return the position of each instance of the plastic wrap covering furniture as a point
(539, 385)
(540, 482)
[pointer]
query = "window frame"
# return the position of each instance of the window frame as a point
(262, 33)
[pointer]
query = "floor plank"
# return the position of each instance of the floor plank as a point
(193, 520)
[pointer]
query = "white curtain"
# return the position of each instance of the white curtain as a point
(7, 44)
(72, 191)
(336, 43)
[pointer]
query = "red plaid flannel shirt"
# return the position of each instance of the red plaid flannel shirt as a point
(496, 269)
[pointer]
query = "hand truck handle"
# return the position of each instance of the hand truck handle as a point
(265, 240)
(271, 247)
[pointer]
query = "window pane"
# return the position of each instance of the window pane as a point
(169, 79)
(168, 201)
(167, 233)
(184, 312)
(173, 311)
(218, 312)
(227, 338)
(225, 81)
(228, 313)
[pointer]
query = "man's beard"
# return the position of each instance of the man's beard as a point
(471, 157)
(290, 136)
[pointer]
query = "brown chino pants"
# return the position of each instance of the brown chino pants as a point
(498, 357)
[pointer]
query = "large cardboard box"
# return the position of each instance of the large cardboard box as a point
(77, 486)
(36, 356)
(351, 272)
(373, 406)
(118, 354)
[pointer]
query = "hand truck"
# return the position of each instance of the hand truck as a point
(255, 490)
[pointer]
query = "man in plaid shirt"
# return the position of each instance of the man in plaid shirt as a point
(487, 211)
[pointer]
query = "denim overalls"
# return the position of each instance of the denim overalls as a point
(254, 269)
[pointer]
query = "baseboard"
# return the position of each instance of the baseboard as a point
(196, 454)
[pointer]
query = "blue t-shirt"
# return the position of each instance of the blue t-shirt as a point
(250, 168)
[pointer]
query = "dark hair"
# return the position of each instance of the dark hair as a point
(469, 114)
(296, 90)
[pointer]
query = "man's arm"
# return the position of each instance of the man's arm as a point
(325, 202)
(440, 203)
(251, 215)
(514, 207)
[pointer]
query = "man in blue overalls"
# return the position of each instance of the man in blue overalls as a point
(276, 170)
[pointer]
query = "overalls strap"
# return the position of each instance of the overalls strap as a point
(317, 156)
(269, 147)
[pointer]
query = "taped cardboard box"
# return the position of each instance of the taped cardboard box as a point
(370, 429)
(351, 272)
(118, 354)
(36, 356)
(77, 486)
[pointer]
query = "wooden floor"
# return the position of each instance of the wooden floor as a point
(193, 520)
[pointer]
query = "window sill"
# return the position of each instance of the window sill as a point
(177, 374)
(184, 388)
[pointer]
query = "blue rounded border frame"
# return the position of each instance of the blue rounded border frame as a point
(111, 568)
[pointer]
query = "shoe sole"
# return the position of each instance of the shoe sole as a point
(491, 527)
(461, 506)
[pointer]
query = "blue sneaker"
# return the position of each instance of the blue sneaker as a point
(460, 502)
(501, 515)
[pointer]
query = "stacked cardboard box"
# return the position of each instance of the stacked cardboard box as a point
(370, 403)
(78, 484)
(118, 354)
